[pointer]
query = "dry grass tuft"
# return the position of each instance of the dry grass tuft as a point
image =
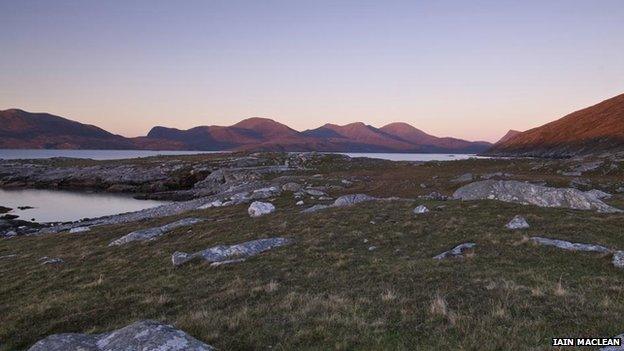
(439, 307)
(537, 292)
(388, 295)
(559, 289)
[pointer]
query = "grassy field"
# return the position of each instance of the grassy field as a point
(328, 290)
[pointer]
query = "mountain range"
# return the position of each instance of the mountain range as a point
(21, 129)
(598, 128)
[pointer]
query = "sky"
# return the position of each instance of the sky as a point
(469, 69)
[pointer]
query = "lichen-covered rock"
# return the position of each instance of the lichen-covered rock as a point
(222, 253)
(518, 222)
(530, 194)
(257, 209)
(457, 251)
(352, 199)
(153, 233)
(143, 335)
(420, 209)
(618, 259)
(566, 245)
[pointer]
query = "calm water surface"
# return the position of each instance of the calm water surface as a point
(61, 206)
(12, 154)
(411, 157)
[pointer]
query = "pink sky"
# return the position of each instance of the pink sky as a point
(469, 70)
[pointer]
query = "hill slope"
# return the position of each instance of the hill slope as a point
(598, 128)
(21, 129)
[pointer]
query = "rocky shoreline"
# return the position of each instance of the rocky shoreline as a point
(196, 182)
(300, 219)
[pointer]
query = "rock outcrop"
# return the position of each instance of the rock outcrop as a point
(143, 335)
(530, 194)
(153, 233)
(225, 253)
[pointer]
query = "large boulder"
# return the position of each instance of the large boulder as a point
(257, 209)
(153, 233)
(143, 335)
(230, 253)
(530, 194)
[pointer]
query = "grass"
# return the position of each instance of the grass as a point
(328, 291)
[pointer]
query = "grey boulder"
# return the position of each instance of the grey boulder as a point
(352, 199)
(257, 209)
(420, 209)
(518, 222)
(566, 245)
(531, 194)
(143, 335)
(236, 252)
(153, 233)
(457, 251)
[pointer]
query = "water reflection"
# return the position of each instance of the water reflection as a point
(55, 206)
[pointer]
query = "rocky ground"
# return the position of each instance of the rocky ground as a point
(308, 251)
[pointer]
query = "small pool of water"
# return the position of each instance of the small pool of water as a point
(63, 206)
